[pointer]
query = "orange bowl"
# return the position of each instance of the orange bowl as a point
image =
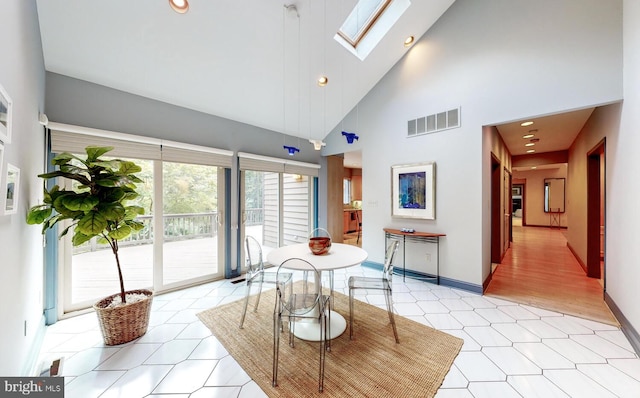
(319, 245)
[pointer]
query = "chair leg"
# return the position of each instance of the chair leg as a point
(255, 308)
(350, 313)
(277, 320)
(323, 343)
(246, 303)
(389, 300)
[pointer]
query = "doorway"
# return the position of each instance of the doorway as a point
(595, 211)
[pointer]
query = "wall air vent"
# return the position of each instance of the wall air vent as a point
(434, 123)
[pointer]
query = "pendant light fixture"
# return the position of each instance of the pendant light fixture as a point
(290, 9)
(179, 6)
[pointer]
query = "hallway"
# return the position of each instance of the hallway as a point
(540, 270)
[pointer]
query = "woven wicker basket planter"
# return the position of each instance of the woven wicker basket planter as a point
(124, 323)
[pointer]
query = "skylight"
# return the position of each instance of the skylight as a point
(368, 23)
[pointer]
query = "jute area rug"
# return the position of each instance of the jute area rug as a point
(370, 365)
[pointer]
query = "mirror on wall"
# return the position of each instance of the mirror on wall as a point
(554, 195)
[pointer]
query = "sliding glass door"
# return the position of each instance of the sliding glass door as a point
(191, 220)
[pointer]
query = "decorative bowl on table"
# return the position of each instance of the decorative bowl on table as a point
(319, 241)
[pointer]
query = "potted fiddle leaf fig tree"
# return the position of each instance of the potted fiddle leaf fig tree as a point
(97, 206)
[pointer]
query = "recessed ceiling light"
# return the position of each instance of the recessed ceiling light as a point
(408, 41)
(531, 151)
(529, 144)
(322, 81)
(527, 136)
(179, 6)
(525, 124)
(534, 167)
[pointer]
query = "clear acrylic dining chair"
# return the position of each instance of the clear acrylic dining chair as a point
(256, 274)
(376, 283)
(305, 303)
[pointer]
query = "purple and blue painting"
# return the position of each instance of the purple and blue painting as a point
(412, 189)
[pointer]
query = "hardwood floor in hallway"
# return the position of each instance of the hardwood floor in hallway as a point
(540, 270)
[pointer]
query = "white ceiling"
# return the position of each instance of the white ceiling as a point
(553, 132)
(249, 60)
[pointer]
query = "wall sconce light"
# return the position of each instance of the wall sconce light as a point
(350, 137)
(291, 149)
(317, 144)
(179, 6)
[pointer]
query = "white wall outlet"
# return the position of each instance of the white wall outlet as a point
(428, 257)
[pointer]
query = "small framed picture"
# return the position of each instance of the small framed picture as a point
(1, 159)
(11, 189)
(5, 116)
(413, 189)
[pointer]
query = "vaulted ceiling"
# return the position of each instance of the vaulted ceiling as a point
(253, 61)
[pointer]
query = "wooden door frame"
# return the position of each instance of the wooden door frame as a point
(496, 216)
(593, 207)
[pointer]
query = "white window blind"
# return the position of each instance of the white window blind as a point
(186, 153)
(250, 161)
(65, 138)
(68, 138)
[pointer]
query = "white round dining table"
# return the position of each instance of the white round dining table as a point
(339, 256)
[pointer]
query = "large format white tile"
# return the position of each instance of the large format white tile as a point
(478, 302)
(173, 351)
(542, 329)
(612, 379)
(433, 307)
(487, 336)
(129, 357)
(494, 315)
(543, 356)
(517, 312)
(573, 351)
(469, 343)
(616, 337)
(493, 390)
(577, 384)
(567, 325)
(456, 304)
(515, 333)
(535, 386)
(503, 343)
(251, 390)
(443, 321)
(87, 360)
(469, 318)
(91, 384)
(455, 379)
(216, 392)
(630, 367)
(603, 347)
(186, 377)
(453, 393)
(511, 361)
(138, 382)
(163, 333)
(195, 330)
(227, 373)
(475, 366)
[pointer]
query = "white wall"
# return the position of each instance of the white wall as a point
(500, 60)
(623, 187)
(21, 258)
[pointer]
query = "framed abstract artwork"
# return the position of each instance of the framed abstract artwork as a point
(413, 191)
(12, 188)
(5, 116)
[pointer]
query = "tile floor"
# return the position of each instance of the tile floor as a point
(510, 350)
